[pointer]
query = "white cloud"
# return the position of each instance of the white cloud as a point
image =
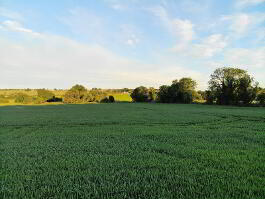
(206, 48)
(17, 27)
(10, 14)
(245, 3)
(54, 61)
(240, 24)
(209, 46)
(246, 58)
(183, 30)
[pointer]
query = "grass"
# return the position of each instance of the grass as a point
(122, 97)
(130, 150)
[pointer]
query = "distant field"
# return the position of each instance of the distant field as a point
(7, 97)
(122, 97)
(130, 150)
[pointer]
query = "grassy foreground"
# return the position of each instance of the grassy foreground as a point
(128, 150)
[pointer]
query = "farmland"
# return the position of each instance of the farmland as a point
(131, 150)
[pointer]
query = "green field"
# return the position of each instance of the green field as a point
(129, 150)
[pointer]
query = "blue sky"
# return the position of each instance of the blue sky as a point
(127, 43)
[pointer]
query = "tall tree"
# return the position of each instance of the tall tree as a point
(232, 86)
(179, 91)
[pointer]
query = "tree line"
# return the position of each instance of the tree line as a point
(227, 86)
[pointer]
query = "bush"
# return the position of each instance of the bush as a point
(196, 95)
(72, 97)
(261, 98)
(55, 99)
(181, 91)
(140, 94)
(104, 100)
(45, 95)
(95, 95)
(111, 99)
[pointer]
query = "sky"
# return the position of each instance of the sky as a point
(127, 43)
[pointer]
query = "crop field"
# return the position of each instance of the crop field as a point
(130, 150)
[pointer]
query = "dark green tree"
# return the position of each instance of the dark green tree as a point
(261, 98)
(140, 94)
(181, 91)
(232, 86)
(163, 95)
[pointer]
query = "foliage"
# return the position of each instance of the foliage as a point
(163, 94)
(111, 99)
(132, 151)
(79, 88)
(209, 97)
(151, 94)
(45, 95)
(261, 98)
(23, 98)
(232, 86)
(140, 94)
(182, 91)
(203, 94)
(196, 95)
(95, 95)
(75, 95)
(55, 99)
(72, 97)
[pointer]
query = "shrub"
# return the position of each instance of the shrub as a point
(104, 100)
(111, 99)
(261, 98)
(55, 99)
(45, 95)
(72, 97)
(140, 94)
(96, 95)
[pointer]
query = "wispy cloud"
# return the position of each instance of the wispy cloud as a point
(209, 46)
(82, 21)
(17, 27)
(182, 29)
(10, 14)
(245, 3)
(54, 59)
